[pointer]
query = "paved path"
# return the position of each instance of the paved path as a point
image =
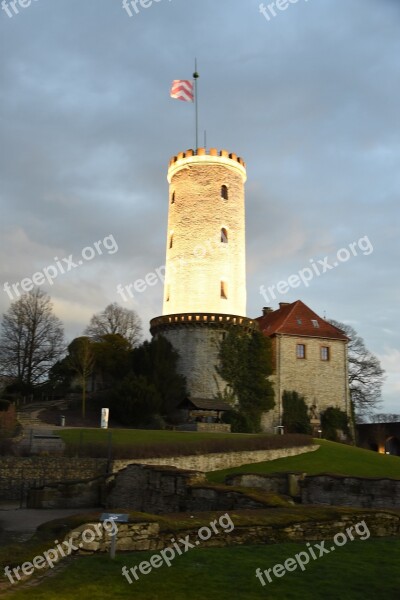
(19, 524)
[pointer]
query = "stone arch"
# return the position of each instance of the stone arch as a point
(392, 445)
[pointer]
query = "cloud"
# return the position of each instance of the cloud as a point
(309, 100)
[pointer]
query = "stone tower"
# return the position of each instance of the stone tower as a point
(205, 279)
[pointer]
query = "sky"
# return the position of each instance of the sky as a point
(307, 92)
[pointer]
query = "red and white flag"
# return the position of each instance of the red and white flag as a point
(182, 89)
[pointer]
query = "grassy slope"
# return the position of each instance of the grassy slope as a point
(370, 568)
(138, 437)
(329, 458)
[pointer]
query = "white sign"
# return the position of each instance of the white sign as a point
(104, 417)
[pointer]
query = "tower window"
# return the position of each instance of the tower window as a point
(300, 351)
(325, 354)
(224, 290)
(173, 198)
(224, 236)
(224, 192)
(171, 240)
(167, 294)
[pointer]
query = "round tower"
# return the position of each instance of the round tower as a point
(205, 278)
(205, 263)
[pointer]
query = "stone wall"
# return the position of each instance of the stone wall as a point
(351, 491)
(19, 473)
(278, 483)
(67, 494)
(214, 461)
(325, 489)
(198, 349)
(321, 382)
(157, 490)
(147, 535)
(215, 427)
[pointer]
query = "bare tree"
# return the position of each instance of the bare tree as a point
(385, 418)
(115, 319)
(366, 375)
(32, 338)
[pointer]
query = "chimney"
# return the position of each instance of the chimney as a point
(282, 304)
(266, 310)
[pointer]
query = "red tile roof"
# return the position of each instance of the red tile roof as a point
(297, 319)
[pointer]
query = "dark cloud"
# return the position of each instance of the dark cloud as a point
(309, 99)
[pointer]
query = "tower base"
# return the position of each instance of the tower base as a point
(196, 337)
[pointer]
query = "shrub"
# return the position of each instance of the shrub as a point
(4, 404)
(295, 413)
(332, 421)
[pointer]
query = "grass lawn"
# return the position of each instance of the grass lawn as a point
(140, 443)
(329, 458)
(140, 437)
(358, 571)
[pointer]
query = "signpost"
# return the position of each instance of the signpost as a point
(117, 518)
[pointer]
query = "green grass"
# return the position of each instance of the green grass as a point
(358, 571)
(140, 437)
(331, 457)
(139, 443)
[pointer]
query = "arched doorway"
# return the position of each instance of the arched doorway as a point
(392, 446)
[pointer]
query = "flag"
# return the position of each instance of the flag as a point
(182, 89)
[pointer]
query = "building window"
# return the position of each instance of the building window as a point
(299, 321)
(325, 354)
(224, 192)
(173, 198)
(171, 240)
(224, 236)
(167, 294)
(315, 322)
(300, 351)
(224, 290)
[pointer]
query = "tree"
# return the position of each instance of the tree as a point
(32, 339)
(135, 401)
(113, 358)
(81, 360)
(245, 363)
(385, 418)
(366, 375)
(157, 362)
(295, 416)
(115, 319)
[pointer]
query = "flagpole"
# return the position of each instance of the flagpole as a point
(195, 77)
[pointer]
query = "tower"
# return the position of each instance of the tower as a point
(205, 279)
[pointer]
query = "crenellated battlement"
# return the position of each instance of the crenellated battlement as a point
(223, 321)
(205, 152)
(204, 157)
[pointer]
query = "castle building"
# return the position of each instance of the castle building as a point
(205, 293)
(309, 357)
